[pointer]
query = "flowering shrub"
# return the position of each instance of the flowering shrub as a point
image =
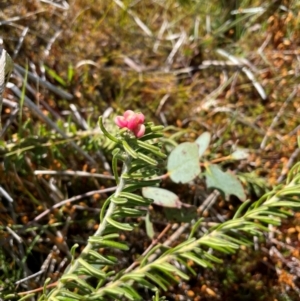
(95, 273)
(133, 122)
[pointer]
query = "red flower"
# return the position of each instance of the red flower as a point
(133, 122)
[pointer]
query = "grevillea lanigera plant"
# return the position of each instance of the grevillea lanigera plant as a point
(95, 274)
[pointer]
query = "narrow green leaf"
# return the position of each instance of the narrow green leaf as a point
(22, 299)
(129, 150)
(184, 263)
(269, 220)
(147, 146)
(67, 293)
(195, 227)
(129, 212)
(241, 209)
(157, 280)
(140, 184)
(157, 128)
(72, 277)
(136, 276)
(151, 136)
(119, 200)
(117, 291)
(131, 291)
(153, 149)
(110, 236)
(105, 132)
(47, 281)
(101, 258)
(199, 261)
(104, 207)
(212, 257)
(115, 165)
(182, 247)
(133, 197)
(120, 226)
(52, 298)
(93, 271)
(166, 276)
(167, 267)
(236, 241)
(70, 73)
(217, 245)
(72, 251)
(108, 243)
(149, 226)
(286, 204)
(55, 76)
(145, 258)
(147, 159)
(126, 293)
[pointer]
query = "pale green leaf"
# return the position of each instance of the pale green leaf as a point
(224, 181)
(203, 142)
(183, 163)
(149, 226)
(162, 197)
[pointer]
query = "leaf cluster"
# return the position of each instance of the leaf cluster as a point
(94, 274)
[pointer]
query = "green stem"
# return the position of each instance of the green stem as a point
(100, 230)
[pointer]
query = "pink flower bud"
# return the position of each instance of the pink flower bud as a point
(121, 122)
(133, 122)
(139, 131)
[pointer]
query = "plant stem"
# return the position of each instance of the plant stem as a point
(102, 226)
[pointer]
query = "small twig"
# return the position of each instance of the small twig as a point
(277, 117)
(15, 235)
(63, 4)
(161, 31)
(44, 83)
(14, 19)
(137, 20)
(289, 164)
(162, 103)
(51, 41)
(21, 40)
(72, 173)
(73, 199)
(248, 73)
(38, 289)
(176, 47)
(5, 194)
(29, 277)
(36, 110)
(85, 126)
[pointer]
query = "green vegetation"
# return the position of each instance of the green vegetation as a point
(227, 68)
